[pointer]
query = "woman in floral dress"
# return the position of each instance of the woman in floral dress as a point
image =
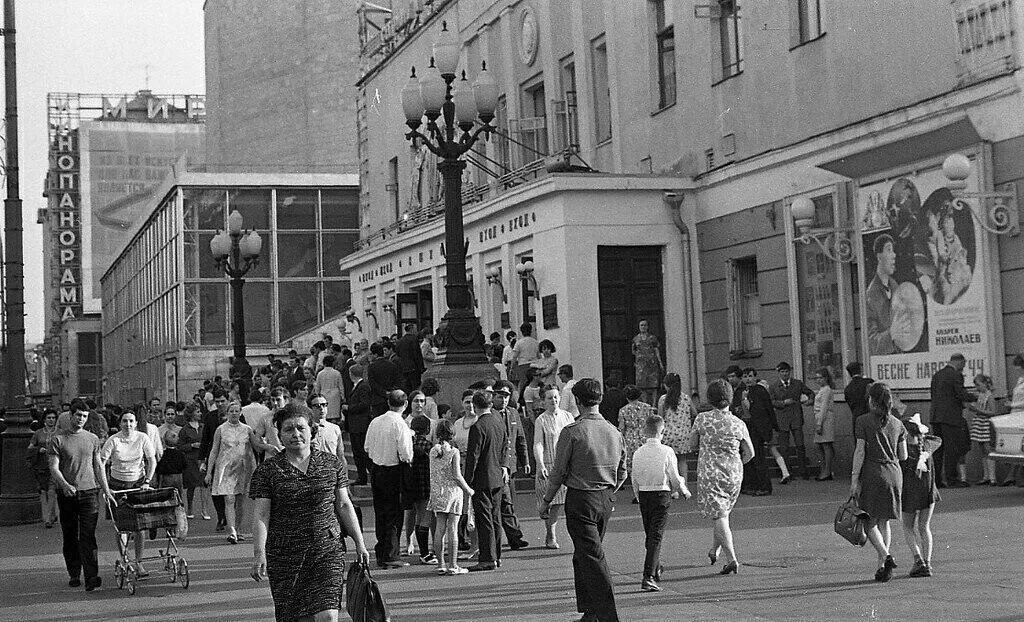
(647, 362)
(631, 423)
(675, 408)
(725, 447)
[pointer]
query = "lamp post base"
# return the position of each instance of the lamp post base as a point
(461, 338)
(19, 496)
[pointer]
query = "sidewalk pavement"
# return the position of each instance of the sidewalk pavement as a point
(794, 568)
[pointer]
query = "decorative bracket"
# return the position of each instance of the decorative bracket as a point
(999, 214)
(835, 243)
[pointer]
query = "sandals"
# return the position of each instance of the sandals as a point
(233, 539)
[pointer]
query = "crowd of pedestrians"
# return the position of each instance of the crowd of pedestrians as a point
(442, 476)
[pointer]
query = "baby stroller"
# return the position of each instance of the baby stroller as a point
(141, 509)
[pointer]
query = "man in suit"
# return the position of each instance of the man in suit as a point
(856, 393)
(788, 396)
(948, 397)
(410, 357)
(487, 474)
(383, 376)
(516, 458)
(761, 424)
(357, 419)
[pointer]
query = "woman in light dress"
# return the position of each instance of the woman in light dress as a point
(234, 459)
(675, 408)
(647, 362)
(328, 384)
(724, 445)
(632, 417)
(549, 425)
(824, 422)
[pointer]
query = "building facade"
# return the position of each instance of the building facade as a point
(166, 304)
(733, 110)
(108, 152)
(280, 78)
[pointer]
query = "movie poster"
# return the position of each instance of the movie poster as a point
(923, 291)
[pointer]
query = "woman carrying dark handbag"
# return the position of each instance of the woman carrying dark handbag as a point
(851, 522)
(876, 479)
(919, 493)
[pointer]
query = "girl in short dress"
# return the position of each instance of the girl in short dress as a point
(981, 429)
(447, 487)
(919, 494)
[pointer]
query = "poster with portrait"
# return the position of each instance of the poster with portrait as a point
(923, 291)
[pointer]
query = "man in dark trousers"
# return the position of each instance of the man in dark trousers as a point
(856, 393)
(948, 397)
(357, 419)
(516, 458)
(383, 376)
(410, 357)
(761, 424)
(487, 474)
(389, 444)
(590, 460)
(788, 397)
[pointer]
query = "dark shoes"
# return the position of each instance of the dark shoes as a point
(760, 493)
(957, 484)
(828, 478)
(786, 480)
(884, 573)
(93, 583)
(392, 564)
(74, 582)
(483, 567)
(921, 569)
(649, 585)
(730, 568)
(518, 544)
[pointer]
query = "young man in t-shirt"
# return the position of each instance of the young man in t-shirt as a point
(76, 468)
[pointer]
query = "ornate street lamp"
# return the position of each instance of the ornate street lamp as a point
(236, 252)
(457, 114)
(834, 242)
(999, 213)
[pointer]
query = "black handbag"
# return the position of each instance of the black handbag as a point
(851, 522)
(363, 599)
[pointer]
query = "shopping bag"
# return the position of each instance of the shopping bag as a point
(851, 522)
(363, 599)
(181, 518)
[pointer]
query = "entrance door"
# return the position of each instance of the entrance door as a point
(416, 307)
(629, 290)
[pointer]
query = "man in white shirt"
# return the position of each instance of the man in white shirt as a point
(526, 351)
(260, 419)
(566, 400)
(388, 444)
(656, 482)
(327, 435)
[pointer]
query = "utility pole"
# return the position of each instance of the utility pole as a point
(14, 277)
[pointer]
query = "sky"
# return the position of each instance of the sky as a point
(91, 46)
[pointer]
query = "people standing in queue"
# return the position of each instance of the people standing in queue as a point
(388, 444)
(590, 461)
(877, 480)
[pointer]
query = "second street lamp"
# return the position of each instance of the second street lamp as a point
(236, 252)
(457, 114)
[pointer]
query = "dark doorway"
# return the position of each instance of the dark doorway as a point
(629, 290)
(416, 307)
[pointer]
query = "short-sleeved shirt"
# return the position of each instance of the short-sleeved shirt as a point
(75, 452)
(126, 455)
(526, 351)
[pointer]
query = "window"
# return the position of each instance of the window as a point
(807, 22)
(730, 39)
(392, 187)
(986, 38)
(531, 130)
(90, 364)
(665, 48)
(744, 308)
(565, 113)
(602, 94)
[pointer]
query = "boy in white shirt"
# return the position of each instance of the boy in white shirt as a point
(656, 482)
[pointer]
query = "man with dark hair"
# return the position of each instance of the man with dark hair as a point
(487, 474)
(614, 399)
(856, 393)
(761, 424)
(383, 376)
(357, 420)
(77, 470)
(516, 458)
(388, 444)
(788, 396)
(590, 461)
(881, 325)
(410, 358)
(494, 348)
(566, 398)
(948, 397)
(526, 351)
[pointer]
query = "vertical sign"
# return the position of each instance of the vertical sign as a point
(64, 185)
(924, 291)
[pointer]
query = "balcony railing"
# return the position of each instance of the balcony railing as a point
(986, 38)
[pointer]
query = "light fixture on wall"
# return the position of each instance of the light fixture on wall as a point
(834, 242)
(999, 213)
(389, 307)
(368, 312)
(493, 275)
(525, 271)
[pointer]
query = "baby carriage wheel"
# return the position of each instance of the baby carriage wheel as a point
(130, 579)
(183, 572)
(119, 574)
